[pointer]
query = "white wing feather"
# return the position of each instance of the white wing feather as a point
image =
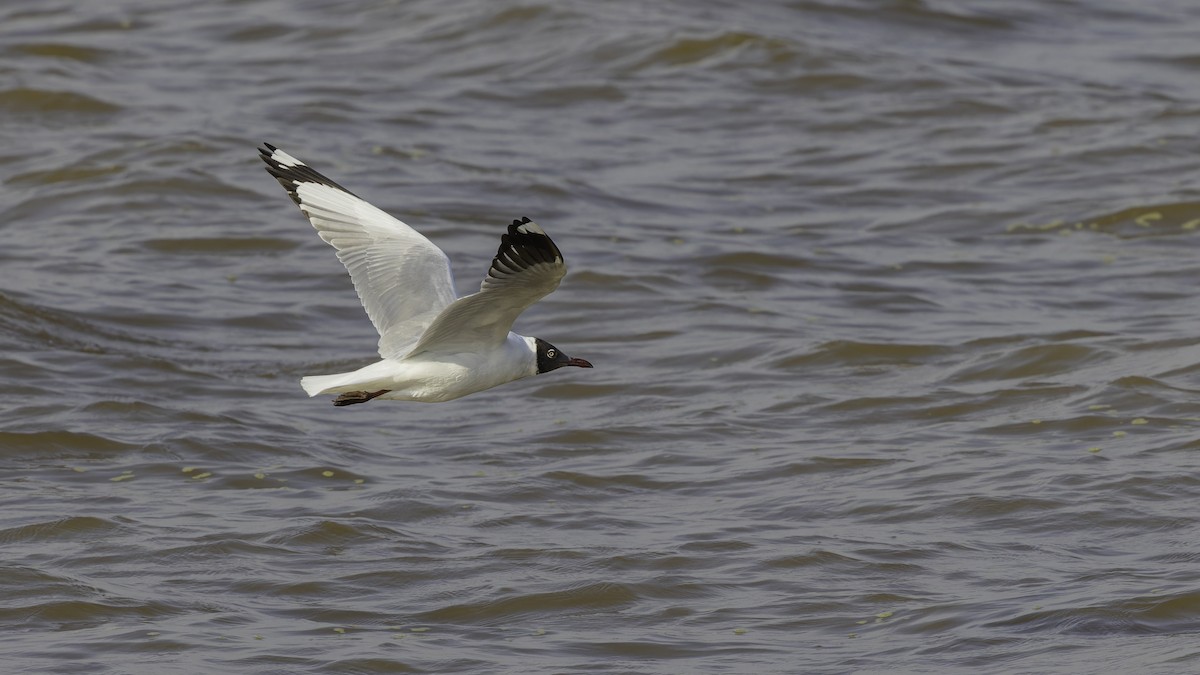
(527, 267)
(402, 279)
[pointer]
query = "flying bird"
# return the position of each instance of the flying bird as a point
(434, 345)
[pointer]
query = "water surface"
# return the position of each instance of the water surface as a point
(892, 307)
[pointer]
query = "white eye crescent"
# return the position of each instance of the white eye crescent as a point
(550, 353)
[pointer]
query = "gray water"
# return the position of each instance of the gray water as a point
(892, 307)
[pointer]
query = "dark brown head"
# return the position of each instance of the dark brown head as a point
(550, 358)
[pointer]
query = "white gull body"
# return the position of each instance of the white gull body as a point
(434, 345)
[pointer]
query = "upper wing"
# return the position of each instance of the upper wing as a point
(527, 267)
(402, 279)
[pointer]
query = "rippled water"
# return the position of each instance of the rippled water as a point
(892, 307)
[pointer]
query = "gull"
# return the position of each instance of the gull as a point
(434, 345)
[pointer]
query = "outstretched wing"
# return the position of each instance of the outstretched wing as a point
(402, 279)
(527, 267)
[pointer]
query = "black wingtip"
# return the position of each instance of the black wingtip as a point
(292, 175)
(512, 229)
(527, 247)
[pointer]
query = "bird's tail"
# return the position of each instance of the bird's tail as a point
(324, 384)
(378, 375)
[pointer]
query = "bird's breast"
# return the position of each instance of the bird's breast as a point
(447, 377)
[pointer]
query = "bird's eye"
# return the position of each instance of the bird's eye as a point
(550, 353)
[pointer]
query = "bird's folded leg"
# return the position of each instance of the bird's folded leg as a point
(352, 397)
